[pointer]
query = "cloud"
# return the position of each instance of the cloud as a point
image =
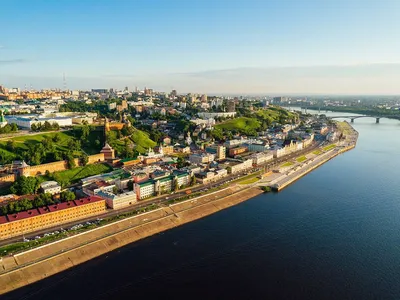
(12, 61)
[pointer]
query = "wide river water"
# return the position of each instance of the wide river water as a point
(333, 234)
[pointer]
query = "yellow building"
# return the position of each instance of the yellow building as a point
(49, 216)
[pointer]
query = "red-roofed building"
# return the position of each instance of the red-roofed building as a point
(49, 216)
(3, 219)
(23, 215)
(60, 206)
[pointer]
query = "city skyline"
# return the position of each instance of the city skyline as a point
(331, 47)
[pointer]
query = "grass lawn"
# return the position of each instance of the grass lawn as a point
(22, 142)
(287, 164)
(76, 174)
(317, 152)
(240, 124)
(249, 181)
(142, 141)
(301, 159)
(329, 147)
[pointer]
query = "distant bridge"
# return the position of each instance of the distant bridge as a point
(352, 118)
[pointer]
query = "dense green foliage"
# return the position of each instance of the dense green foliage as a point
(39, 201)
(25, 185)
(67, 177)
(253, 121)
(48, 147)
(9, 128)
(243, 125)
(46, 126)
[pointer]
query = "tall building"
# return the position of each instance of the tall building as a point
(203, 98)
(231, 105)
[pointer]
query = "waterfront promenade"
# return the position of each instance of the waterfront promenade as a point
(287, 175)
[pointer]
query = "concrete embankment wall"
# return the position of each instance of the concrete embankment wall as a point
(301, 173)
(166, 218)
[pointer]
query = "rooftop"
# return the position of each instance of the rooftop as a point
(23, 215)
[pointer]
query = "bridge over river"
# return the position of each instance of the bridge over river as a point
(377, 117)
(352, 118)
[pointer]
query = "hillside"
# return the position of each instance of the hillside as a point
(242, 124)
(142, 141)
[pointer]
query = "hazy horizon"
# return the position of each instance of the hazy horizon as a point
(327, 47)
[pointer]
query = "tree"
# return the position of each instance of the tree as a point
(70, 160)
(67, 196)
(192, 180)
(130, 185)
(25, 185)
(47, 126)
(181, 162)
(115, 190)
(85, 131)
(175, 185)
(11, 145)
(56, 138)
(74, 145)
(34, 127)
(84, 159)
(14, 127)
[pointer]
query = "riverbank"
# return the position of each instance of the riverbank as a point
(30, 266)
(25, 268)
(290, 174)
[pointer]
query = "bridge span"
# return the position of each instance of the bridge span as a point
(352, 118)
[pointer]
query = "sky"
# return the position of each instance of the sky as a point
(203, 46)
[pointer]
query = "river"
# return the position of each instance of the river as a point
(333, 234)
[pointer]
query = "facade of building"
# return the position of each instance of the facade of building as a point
(182, 178)
(108, 151)
(144, 189)
(94, 188)
(118, 201)
(218, 150)
(236, 151)
(202, 158)
(258, 147)
(49, 216)
(262, 158)
(27, 121)
(247, 164)
(51, 187)
(211, 176)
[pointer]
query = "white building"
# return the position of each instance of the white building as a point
(118, 201)
(202, 158)
(51, 187)
(144, 189)
(27, 121)
(278, 152)
(247, 164)
(262, 158)
(183, 179)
